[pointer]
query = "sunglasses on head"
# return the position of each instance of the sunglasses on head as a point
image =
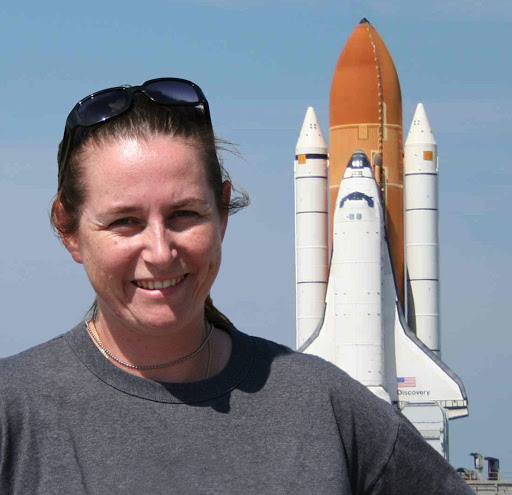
(108, 103)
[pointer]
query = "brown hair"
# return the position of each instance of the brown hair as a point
(143, 119)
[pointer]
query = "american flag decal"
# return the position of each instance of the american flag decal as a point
(406, 381)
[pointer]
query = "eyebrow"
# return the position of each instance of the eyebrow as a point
(188, 202)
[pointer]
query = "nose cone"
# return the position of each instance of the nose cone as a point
(358, 161)
(420, 131)
(358, 166)
(364, 81)
(311, 139)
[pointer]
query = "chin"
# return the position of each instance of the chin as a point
(158, 322)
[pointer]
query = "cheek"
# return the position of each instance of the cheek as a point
(109, 261)
(205, 247)
(215, 260)
(214, 266)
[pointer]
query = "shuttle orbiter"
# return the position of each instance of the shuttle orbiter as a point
(350, 249)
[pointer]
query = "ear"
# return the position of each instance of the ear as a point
(71, 244)
(226, 196)
(70, 241)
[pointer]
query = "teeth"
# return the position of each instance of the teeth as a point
(158, 284)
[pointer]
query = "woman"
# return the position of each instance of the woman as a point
(146, 215)
(156, 392)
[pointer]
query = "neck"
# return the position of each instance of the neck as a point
(174, 355)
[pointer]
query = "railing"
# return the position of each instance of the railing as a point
(470, 475)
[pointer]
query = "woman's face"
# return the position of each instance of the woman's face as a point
(150, 232)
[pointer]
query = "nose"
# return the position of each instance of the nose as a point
(159, 246)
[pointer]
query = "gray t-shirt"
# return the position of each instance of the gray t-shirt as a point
(272, 422)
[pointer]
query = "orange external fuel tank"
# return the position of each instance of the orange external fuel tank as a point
(365, 113)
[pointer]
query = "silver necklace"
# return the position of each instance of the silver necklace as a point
(95, 336)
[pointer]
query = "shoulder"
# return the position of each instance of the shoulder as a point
(33, 366)
(306, 386)
(284, 357)
(416, 467)
(314, 381)
(313, 373)
(31, 357)
(379, 443)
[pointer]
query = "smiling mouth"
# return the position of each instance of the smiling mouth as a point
(158, 284)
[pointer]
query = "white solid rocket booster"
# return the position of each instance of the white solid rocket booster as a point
(422, 230)
(311, 227)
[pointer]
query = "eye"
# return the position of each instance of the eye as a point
(124, 224)
(185, 213)
(181, 220)
(123, 221)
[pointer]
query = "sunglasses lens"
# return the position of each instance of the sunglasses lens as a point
(171, 92)
(102, 106)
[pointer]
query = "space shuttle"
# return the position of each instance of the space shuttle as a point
(367, 243)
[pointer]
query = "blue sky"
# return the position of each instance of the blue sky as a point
(261, 64)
